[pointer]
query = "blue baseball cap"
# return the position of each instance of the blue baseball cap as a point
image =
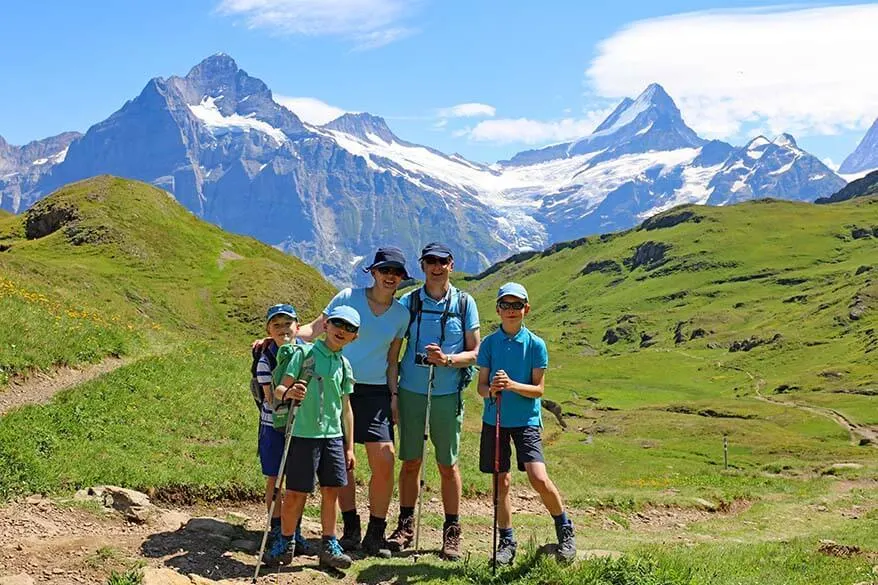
(345, 313)
(512, 289)
(281, 309)
(436, 249)
(389, 256)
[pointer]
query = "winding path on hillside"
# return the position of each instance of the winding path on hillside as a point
(38, 388)
(856, 431)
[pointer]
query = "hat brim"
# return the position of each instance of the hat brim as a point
(285, 314)
(436, 255)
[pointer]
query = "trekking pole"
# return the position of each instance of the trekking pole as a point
(496, 478)
(278, 482)
(423, 466)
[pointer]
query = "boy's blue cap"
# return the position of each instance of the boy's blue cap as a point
(281, 309)
(389, 256)
(512, 289)
(436, 249)
(345, 313)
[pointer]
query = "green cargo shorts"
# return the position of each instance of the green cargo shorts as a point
(445, 425)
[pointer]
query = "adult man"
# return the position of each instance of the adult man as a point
(444, 332)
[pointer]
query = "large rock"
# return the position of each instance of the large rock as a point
(133, 505)
(162, 576)
(20, 579)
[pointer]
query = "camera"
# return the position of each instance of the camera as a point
(421, 359)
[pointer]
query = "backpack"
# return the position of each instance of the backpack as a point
(256, 353)
(416, 309)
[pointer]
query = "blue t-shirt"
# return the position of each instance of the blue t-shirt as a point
(414, 378)
(518, 356)
(368, 353)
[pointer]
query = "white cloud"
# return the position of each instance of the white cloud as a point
(527, 131)
(310, 109)
(468, 110)
(831, 164)
(370, 23)
(789, 69)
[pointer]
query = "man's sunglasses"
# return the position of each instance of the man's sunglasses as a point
(517, 305)
(436, 260)
(342, 324)
(385, 270)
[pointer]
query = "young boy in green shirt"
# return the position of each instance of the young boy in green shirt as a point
(322, 439)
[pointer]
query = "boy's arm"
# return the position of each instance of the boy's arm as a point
(534, 390)
(348, 428)
(312, 330)
(484, 383)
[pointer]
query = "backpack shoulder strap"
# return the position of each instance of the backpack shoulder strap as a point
(414, 308)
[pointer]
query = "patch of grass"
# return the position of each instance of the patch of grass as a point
(132, 576)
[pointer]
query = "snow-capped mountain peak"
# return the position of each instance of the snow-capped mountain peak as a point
(785, 140)
(362, 125)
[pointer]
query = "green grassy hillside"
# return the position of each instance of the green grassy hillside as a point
(116, 267)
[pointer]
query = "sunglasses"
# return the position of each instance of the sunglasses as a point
(342, 324)
(434, 260)
(385, 270)
(517, 305)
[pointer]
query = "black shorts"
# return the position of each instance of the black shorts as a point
(373, 419)
(321, 457)
(528, 447)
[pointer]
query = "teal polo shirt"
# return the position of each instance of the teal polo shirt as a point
(413, 377)
(518, 355)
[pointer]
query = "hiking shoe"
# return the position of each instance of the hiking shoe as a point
(332, 555)
(350, 539)
(374, 543)
(403, 536)
(566, 543)
(302, 548)
(280, 552)
(451, 542)
(506, 551)
(273, 535)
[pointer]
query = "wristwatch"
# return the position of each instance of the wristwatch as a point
(448, 360)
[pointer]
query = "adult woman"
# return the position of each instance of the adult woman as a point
(374, 358)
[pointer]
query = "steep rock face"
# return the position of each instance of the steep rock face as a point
(865, 156)
(21, 167)
(863, 187)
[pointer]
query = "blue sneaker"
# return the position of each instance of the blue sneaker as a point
(332, 555)
(302, 548)
(273, 534)
(280, 551)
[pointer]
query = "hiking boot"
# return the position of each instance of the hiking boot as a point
(451, 542)
(374, 543)
(403, 536)
(506, 551)
(566, 543)
(332, 555)
(273, 535)
(302, 548)
(350, 538)
(279, 553)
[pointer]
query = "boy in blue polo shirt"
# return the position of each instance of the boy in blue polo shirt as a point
(512, 364)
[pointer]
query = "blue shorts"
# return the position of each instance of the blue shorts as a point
(271, 450)
(528, 447)
(321, 457)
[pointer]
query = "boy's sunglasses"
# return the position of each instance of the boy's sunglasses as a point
(436, 260)
(517, 305)
(391, 270)
(342, 324)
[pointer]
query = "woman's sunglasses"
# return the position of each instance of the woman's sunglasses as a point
(517, 305)
(385, 270)
(342, 324)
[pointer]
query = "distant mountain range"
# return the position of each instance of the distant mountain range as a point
(330, 194)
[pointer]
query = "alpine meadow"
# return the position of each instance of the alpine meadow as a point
(752, 325)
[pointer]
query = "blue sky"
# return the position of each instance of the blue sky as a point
(485, 79)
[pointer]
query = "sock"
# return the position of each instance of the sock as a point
(377, 523)
(406, 512)
(275, 522)
(506, 533)
(351, 519)
(561, 519)
(451, 519)
(298, 533)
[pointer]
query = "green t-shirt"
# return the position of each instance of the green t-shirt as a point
(319, 415)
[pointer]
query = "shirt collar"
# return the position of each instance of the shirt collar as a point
(324, 350)
(519, 337)
(424, 296)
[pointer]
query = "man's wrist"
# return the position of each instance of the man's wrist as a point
(448, 360)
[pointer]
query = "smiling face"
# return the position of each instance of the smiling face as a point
(387, 278)
(437, 270)
(339, 333)
(281, 326)
(512, 310)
